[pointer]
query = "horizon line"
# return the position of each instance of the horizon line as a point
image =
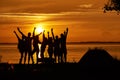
(75, 42)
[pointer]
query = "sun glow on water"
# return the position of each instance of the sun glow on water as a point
(39, 51)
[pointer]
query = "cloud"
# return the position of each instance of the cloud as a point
(44, 6)
(86, 6)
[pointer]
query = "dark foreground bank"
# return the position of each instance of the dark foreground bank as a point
(58, 72)
(96, 64)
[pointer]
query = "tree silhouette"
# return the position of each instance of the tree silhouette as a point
(112, 5)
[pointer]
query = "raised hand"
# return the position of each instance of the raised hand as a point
(67, 29)
(43, 31)
(34, 28)
(14, 31)
(48, 32)
(51, 29)
(18, 28)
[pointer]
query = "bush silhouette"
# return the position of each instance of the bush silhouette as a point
(97, 57)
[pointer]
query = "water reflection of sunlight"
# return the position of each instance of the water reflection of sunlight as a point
(45, 53)
(39, 51)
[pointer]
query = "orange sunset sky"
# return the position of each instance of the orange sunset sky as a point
(84, 18)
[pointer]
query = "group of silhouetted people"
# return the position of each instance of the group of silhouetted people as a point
(28, 45)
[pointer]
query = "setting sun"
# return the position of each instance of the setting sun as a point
(39, 29)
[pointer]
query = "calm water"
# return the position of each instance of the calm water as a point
(10, 53)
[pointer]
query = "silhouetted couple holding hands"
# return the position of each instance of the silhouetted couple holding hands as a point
(56, 46)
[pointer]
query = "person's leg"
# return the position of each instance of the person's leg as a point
(37, 53)
(21, 56)
(25, 57)
(32, 59)
(65, 57)
(29, 58)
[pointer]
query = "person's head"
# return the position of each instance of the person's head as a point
(29, 34)
(56, 37)
(23, 38)
(37, 37)
(61, 35)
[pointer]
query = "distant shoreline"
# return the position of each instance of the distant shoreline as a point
(93, 42)
(71, 43)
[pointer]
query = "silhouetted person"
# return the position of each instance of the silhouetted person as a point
(56, 47)
(50, 46)
(28, 45)
(63, 46)
(21, 47)
(36, 41)
(43, 45)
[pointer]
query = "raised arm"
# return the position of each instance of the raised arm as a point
(20, 31)
(48, 34)
(39, 33)
(16, 35)
(52, 33)
(66, 32)
(34, 31)
(44, 34)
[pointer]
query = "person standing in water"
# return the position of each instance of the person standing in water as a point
(36, 41)
(63, 48)
(56, 44)
(28, 45)
(21, 47)
(50, 46)
(43, 45)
